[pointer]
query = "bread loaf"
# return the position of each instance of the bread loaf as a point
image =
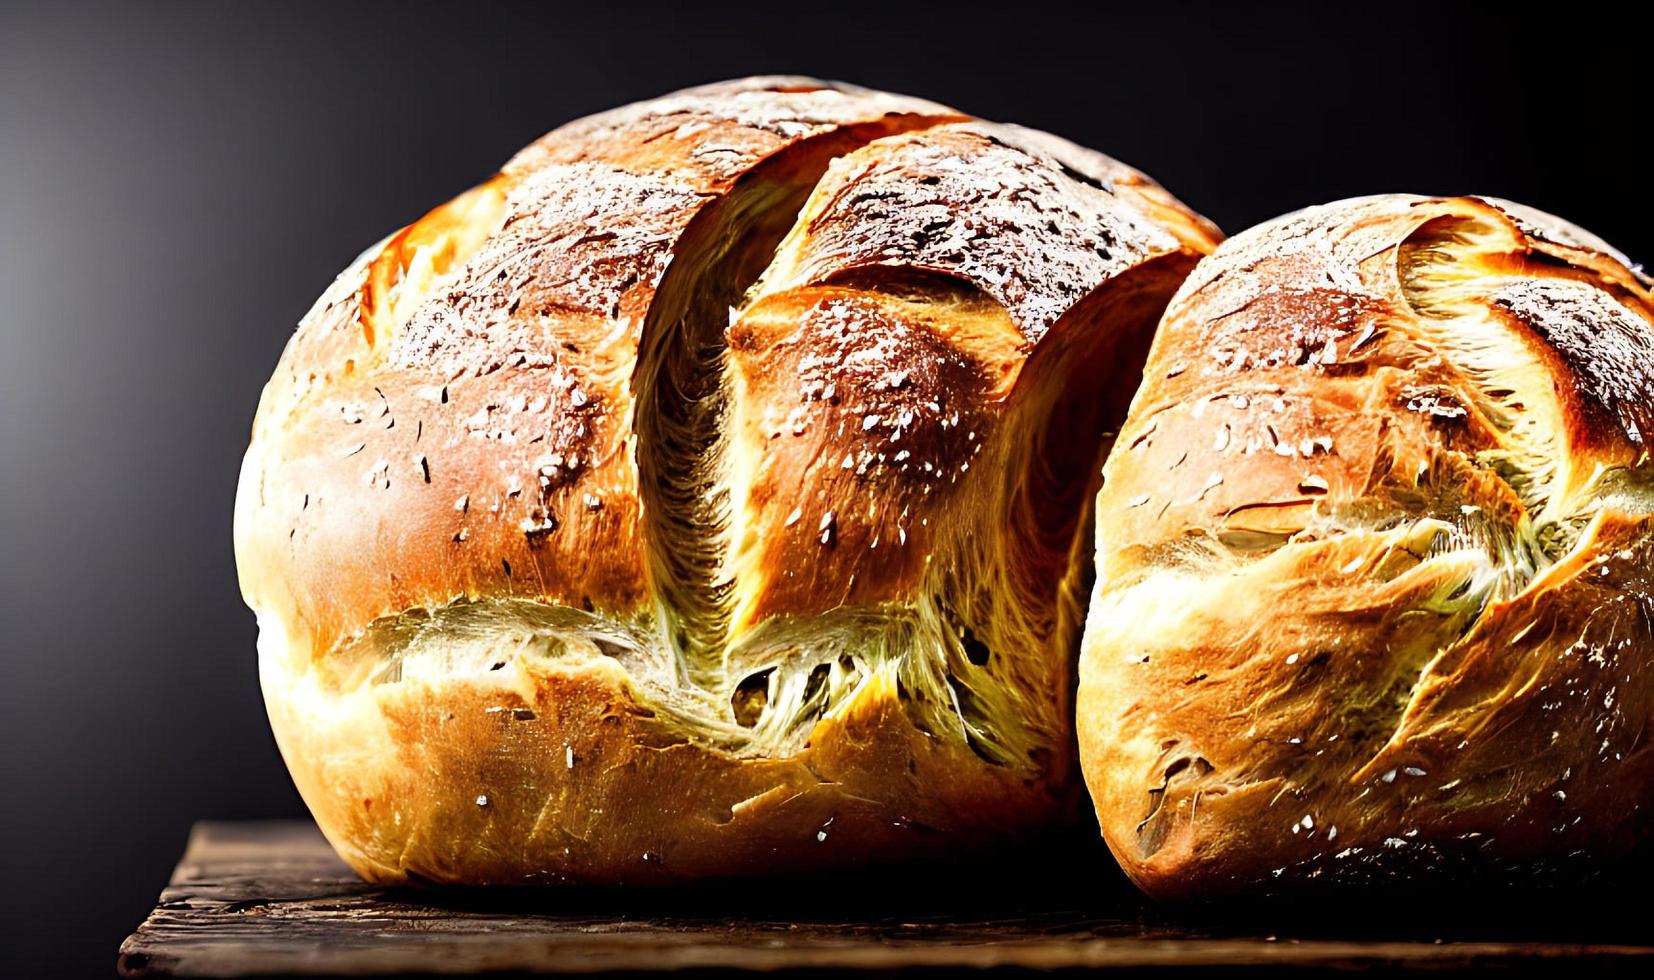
(1373, 559)
(705, 494)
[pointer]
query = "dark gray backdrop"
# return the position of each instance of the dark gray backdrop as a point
(178, 182)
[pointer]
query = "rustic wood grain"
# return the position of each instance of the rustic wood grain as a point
(254, 899)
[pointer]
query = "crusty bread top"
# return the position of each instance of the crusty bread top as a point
(1391, 282)
(511, 397)
(477, 443)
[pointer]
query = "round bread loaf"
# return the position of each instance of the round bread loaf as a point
(705, 494)
(1373, 557)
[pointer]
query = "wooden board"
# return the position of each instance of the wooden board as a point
(271, 898)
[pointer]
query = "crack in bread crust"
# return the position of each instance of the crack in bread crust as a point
(681, 388)
(612, 476)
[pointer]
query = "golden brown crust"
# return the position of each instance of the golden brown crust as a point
(853, 400)
(541, 479)
(1372, 568)
(511, 386)
(977, 202)
(885, 347)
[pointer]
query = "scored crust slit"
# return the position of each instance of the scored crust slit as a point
(707, 494)
(1373, 551)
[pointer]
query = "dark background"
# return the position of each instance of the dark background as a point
(177, 183)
